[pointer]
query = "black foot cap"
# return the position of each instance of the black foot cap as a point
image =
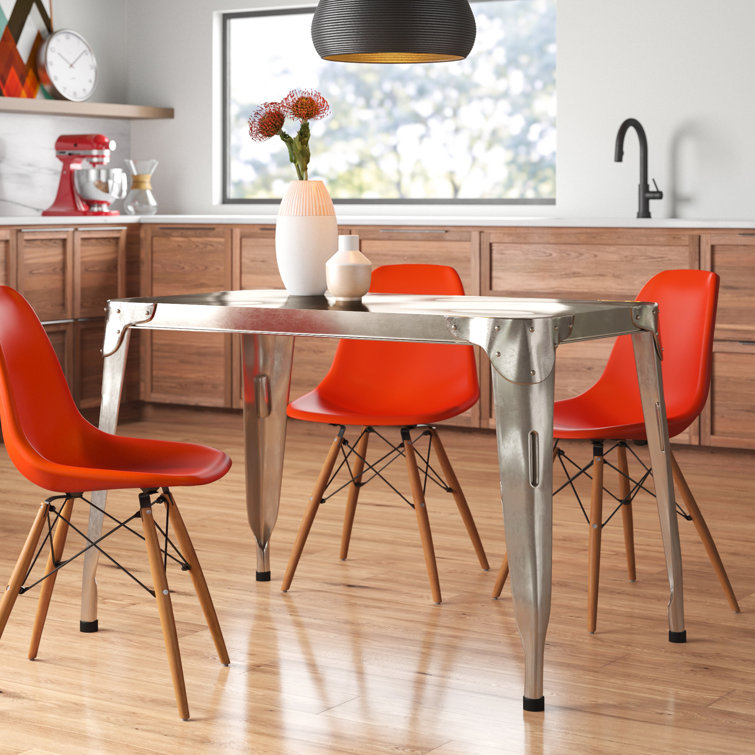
(88, 626)
(263, 576)
(677, 636)
(536, 704)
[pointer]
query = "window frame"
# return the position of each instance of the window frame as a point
(226, 199)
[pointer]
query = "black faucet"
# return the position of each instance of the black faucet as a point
(645, 195)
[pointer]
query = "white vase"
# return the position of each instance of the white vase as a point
(348, 271)
(306, 233)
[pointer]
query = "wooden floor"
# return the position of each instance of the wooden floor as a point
(356, 658)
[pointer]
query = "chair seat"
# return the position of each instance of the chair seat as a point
(101, 461)
(315, 407)
(592, 417)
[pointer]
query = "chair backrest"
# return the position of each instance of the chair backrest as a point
(687, 302)
(389, 374)
(37, 411)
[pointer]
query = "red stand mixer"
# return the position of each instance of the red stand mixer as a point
(86, 187)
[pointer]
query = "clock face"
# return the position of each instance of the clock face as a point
(67, 67)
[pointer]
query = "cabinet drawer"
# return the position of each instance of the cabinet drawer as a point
(456, 247)
(579, 263)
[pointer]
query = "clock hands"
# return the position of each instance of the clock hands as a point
(65, 60)
(76, 59)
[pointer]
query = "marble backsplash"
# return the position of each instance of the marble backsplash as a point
(29, 170)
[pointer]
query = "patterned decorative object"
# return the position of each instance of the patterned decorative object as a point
(24, 24)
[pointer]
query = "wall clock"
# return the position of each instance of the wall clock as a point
(66, 66)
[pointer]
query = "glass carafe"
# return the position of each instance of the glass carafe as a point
(140, 200)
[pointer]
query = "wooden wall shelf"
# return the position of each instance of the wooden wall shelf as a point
(82, 109)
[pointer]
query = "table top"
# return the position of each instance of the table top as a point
(437, 319)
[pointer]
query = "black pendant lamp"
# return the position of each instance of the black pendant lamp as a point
(393, 31)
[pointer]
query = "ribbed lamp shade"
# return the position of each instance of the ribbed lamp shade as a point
(393, 31)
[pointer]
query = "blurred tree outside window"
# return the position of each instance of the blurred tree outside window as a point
(478, 130)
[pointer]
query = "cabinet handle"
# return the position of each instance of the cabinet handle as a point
(44, 229)
(413, 230)
(267, 228)
(187, 227)
(747, 234)
(747, 343)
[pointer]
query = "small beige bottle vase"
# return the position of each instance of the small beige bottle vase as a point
(348, 271)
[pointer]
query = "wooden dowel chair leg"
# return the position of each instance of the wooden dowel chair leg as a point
(461, 501)
(422, 519)
(351, 502)
(165, 609)
(627, 517)
(22, 566)
(46, 588)
(311, 512)
(596, 529)
(500, 580)
(197, 577)
(704, 533)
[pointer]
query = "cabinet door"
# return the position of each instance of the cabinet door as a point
(729, 419)
(45, 271)
(566, 263)
(187, 368)
(61, 338)
(99, 269)
(7, 258)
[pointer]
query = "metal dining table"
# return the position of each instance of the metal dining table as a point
(520, 337)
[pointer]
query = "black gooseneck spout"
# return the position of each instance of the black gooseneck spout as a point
(644, 192)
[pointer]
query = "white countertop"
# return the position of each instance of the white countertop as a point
(387, 220)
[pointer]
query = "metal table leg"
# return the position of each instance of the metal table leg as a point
(267, 376)
(113, 371)
(523, 397)
(654, 409)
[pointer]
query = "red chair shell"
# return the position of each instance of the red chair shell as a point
(611, 408)
(396, 384)
(53, 445)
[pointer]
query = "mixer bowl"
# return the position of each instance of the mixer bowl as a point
(98, 187)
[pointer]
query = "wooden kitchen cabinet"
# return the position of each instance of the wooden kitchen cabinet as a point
(729, 417)
(186, 368)
(580, 263)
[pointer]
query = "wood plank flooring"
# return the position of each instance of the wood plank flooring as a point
(356, 658)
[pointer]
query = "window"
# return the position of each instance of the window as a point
(482, 130)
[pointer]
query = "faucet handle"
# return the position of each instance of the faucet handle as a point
(657, 194)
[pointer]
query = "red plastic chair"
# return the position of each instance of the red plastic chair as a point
(387, 383)
(52, 445)
(611, 411)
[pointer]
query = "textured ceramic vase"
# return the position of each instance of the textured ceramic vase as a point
(306, 233)
(348, 271)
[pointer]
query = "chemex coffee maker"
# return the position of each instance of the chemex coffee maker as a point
(86, 187)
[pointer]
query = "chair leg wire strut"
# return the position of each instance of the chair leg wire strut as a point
(360, 471)
(55, 522)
